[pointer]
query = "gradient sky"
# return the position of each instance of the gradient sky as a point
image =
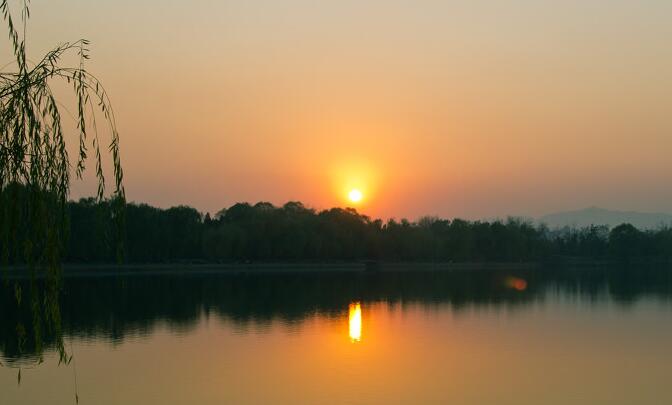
(453, 108)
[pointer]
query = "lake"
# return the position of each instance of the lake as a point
(573, 336)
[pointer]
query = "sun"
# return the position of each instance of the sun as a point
(355, 195)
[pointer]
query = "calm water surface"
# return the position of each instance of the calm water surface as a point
(570, 337)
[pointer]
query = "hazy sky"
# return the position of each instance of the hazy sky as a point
(454, 108)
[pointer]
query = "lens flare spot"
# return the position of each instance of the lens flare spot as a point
(516, 283)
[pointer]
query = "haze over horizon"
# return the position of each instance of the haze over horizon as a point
(459, 109)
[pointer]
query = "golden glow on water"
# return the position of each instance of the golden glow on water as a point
(355, 319)
(420, 353)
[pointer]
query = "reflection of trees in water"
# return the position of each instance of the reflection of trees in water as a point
(115, 308)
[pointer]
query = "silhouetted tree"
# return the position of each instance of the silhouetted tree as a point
(626, 242)
(34, 161)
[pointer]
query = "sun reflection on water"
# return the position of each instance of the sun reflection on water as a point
(355, 319)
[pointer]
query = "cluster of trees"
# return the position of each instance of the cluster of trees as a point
(293, 232)
(622, 242)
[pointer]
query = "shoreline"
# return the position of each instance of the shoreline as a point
(102, 270)
(71, 270)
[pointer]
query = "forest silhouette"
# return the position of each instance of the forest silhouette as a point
(293, 233)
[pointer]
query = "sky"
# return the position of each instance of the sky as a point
(472, 109)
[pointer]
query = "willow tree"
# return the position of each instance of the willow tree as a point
(35, 166)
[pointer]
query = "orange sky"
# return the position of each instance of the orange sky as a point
(452, 108)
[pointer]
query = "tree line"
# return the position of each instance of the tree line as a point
(294, 232)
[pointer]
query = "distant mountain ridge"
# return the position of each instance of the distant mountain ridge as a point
(601, 216)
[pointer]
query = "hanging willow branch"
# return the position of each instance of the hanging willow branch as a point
(32, 143)
(35, 168)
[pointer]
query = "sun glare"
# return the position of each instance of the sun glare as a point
(355, 195)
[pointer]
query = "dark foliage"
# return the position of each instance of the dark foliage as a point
(293, 232)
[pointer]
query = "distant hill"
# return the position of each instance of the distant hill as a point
(600, 216)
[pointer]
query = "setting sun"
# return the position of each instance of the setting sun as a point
(355, 195)
(334, 202)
